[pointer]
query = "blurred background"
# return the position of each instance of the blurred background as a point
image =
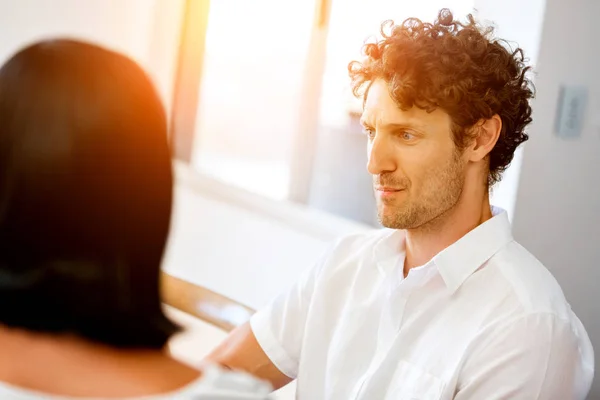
(269, 155)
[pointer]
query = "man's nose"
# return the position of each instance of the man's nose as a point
(380, 156)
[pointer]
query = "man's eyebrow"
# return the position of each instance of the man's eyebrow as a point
(392, 125)
(402, 125)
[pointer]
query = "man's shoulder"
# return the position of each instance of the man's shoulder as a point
(532, 284)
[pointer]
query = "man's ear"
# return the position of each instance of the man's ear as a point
(487, 134)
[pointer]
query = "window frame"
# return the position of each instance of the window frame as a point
(187, 89)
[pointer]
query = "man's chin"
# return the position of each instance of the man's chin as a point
(397, 216)
(390, 219)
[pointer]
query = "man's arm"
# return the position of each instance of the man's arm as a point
(241, 351)
(534, 357)
(269, 346)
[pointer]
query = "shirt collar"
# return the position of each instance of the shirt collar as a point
(458, 261)
(461, 259)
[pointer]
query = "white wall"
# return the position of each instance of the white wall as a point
(146, 30)
(557, 214)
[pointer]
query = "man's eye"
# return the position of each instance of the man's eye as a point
(407, 136)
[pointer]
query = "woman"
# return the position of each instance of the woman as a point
(85, 204)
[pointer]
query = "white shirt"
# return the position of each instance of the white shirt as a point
(484, 319)
(214, 384)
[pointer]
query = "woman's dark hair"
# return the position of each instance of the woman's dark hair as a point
(458, 67)
(85, 195)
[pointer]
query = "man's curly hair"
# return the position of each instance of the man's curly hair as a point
(458, 67)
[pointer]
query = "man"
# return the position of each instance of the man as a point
(445, 305)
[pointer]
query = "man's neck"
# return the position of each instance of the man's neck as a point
(425, 242)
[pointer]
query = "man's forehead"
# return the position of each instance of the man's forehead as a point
(379, 116)
(380, 109)
(378, 96)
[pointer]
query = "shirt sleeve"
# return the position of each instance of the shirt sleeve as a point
(279, 328)
(535, 357)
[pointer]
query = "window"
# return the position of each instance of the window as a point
(248, 107)
(264, 90)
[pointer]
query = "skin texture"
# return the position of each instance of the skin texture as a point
(241, 351)
(418, 175)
